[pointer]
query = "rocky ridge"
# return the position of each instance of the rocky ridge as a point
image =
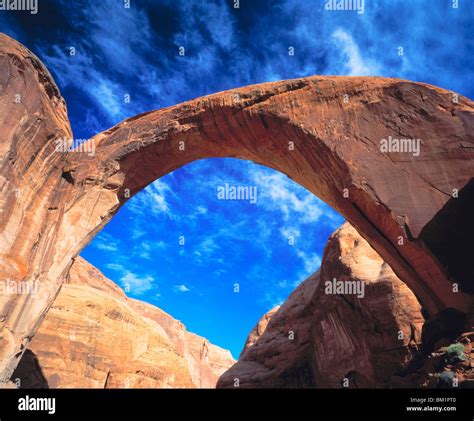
(95, 337)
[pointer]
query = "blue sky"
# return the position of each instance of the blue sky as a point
(238, 259)
(135, 52)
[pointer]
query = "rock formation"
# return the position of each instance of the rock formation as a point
(95, 337)
(317, 339)
(450, 366)
(324, 132)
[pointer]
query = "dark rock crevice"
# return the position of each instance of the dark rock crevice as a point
(28, 374)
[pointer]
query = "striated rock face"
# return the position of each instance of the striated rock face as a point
(316, 339)
(95, 337)
(407, 206)
(206, 362)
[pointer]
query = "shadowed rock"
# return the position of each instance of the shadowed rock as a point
(28, 374)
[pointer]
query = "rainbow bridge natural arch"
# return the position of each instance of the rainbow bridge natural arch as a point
(323, 132)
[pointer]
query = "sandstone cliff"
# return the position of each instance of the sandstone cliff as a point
(45, 191)
(317, 340)
(412, 209)
(95, 337)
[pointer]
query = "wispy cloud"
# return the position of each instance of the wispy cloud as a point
(297, 205)
(208, 246)
(311, 262)
(106, 242)
(116, 267)
(181, 288)
(136, 284)
(153, 199)
(355, 65)
(146, 249)
(273, 299)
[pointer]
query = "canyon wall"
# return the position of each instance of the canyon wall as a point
(319, 339)
(323, 132)
(95, 337)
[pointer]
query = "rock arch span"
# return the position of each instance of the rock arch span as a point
(53, 203)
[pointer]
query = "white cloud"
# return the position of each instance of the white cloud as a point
(208, 246)
(152, 199)
(106, 94)
(136, 284)
(181, 288)
(106, 247)
(106, 242)
(288, 232)
(272, 300)
(279, 193)
(201, 210)
(283, 284)
(155, 195)
(108, 25)
(115, 266)
(79, 71)
(146, 248)
(355, 64)
(311, 262)
(138, 232)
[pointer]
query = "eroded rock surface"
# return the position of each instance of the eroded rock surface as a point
(54, 202)
(317, 339)
(449, 366)
(95, 337)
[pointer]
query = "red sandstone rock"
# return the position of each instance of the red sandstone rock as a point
(95, 337)
(53, 203)
(316, 339)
